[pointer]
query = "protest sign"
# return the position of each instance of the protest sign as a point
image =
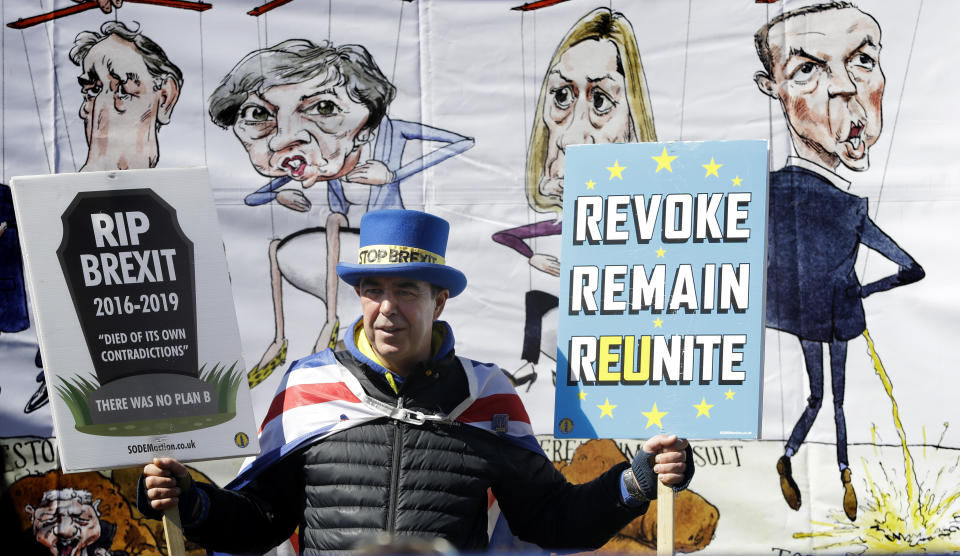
(138, 335)
(661, 303)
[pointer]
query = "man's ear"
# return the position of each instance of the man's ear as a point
(441, 301)
(766, 84)
(169, 94)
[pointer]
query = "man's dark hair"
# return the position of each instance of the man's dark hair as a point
(761, 39)
(158, 65)
(299, 60)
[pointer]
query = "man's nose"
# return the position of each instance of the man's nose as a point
(387, 305)
(841, 83)
(290, 132)
(65, 528)
(579, 130)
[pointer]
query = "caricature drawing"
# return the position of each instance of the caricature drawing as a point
(822, 63)
(317, 113)
(129, 89)
(594, 92)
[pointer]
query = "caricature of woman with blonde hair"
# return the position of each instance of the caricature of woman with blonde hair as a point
(594, 92)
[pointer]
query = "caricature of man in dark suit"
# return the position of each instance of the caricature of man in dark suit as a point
(822, 63)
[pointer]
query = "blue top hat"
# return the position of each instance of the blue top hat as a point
(404, 243)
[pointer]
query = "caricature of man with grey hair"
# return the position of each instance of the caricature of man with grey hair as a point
(130, 88)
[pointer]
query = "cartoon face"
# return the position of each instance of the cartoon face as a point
(398, 315)
(122, 106)
(309, 131)
(66, 527)
(826, 73)
(585, 102)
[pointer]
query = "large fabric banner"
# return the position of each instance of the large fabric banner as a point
(309, 113)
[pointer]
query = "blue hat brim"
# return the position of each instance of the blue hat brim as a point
(440, 275)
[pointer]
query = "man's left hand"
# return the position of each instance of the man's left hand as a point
(668, 455)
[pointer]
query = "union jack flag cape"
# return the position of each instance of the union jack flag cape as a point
(319, 397)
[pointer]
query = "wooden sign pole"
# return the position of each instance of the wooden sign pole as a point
(172, 528)
(665, 498)
(173, 532)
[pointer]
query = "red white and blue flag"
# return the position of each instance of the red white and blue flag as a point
(319, 397)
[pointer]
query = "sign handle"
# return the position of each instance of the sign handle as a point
(173, 532)
(172, 528)
(665, 498)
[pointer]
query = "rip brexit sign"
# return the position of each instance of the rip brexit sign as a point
(129, 268)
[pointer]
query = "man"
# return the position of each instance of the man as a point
(405, 437)
(311, 113)
(130, 88)
(822, 63)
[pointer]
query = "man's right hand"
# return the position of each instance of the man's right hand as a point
(294, 199)
(165, 479)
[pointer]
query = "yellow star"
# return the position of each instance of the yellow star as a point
(654, 417)
(737, 181)
(591, 184)
(729, 393)
(703, 408)
(658, 323)
(661, 252)
(616, 171)
(712, 168)
(663, 161)
(606, 409)
(582, 395)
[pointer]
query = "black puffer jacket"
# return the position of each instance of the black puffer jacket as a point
(426, 480)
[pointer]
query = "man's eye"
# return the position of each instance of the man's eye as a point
(324, 108)
(805, 72)
(601, 102)
(122, 92)
(863, 61)
(562, 97)
(254, 114)
(91, 91)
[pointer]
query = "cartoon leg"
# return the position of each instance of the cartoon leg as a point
(838, 362)
(813, 359)
(276, 352)
(536, 304)
(331, 328)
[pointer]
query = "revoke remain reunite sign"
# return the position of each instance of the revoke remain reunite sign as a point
(661, 303)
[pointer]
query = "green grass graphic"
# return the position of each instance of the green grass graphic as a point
(74, 393)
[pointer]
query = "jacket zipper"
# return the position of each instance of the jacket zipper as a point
(395, 474)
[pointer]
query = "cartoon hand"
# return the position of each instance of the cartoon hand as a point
(545, 263)
(551, 187)
(371, 172)
(161, 480)
(106, 6)
(294, 199)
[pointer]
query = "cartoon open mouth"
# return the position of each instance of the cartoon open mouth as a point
(66, 547)
(854, 137)
(295, 166)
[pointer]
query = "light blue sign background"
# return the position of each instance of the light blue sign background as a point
(694, 410)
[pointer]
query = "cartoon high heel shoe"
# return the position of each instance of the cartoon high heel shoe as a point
(40, 397)
(526, 374)
(260, 373)
(328, 337)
